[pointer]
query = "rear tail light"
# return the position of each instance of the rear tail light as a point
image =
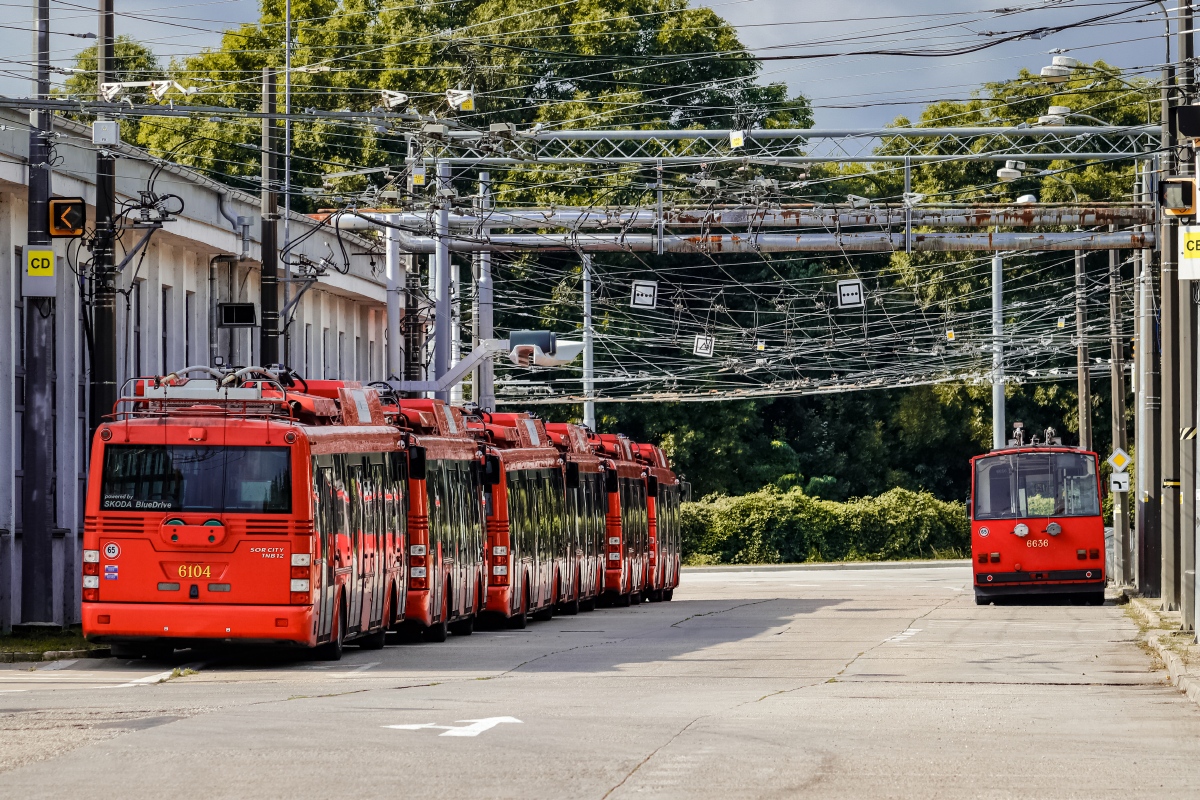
(417, 572)
(500, 551)
(91, 581)
(300, 585)
(1093, 554)
(91, 595)
(416, 550)
(615, 540)
(299, 598)
(995, 558)
(983, 558)
(301, 559)
(300, 572)
(498, 570)
(91, 568)
(102, 619)
(614, 556)
(91, 556)
(1081, 555)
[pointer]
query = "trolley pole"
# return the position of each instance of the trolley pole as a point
(589, 366)
(485, 386)
(269, 275)
(103, 394)
(999, 436)
(37, 423)
(1083, 373)
(1119, 438)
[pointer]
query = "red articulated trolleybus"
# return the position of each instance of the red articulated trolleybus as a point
(627, 525)
(664, 493)
(1036, 524)
(235, 510)
(254, 507)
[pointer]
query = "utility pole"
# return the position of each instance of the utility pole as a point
(999, 437)
(485, 386)
(441, 280)
(104, 277)
(37, 423)
(1149, 520)
(287, 176)
(589, 365)
(395, 302)
(1119, 438)
(1169, 434)
(269, 275)
(1083, 372)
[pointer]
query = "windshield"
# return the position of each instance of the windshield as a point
(1036, 485)
(238, 480)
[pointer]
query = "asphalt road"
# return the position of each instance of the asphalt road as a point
(873, 683)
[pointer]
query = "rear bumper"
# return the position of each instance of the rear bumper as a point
(145, 622)
(1064, 581)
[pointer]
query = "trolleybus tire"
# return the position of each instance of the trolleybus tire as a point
(520, 620)
(333, 650)
(588, 604)
(463, 627)
(623, 600)
(438, 631)
(982, 600)
(374, 640)
(1094, 598)
(667, 595)
(546, 614)
(572, 608)
(635, 598)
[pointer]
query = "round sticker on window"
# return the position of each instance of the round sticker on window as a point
(111, 550)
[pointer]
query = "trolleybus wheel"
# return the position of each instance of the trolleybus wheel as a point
(1094, 598)
(572, 608)
(667, 595)
(438, 631)
(333, 650)
(463, 627)
(981, 600)
(623, 600)
(521, 618)
(547, 613)
(635, 598)
(373, 641)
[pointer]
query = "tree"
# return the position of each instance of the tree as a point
(135, 62)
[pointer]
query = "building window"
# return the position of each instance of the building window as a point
(308, 349)
(165, 321)
(327, 354)
(136, 312)
(189, 300)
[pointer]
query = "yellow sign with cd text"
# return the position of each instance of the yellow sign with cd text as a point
(1189, 253)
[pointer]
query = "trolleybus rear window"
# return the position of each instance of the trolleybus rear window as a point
(237, 480)
(1036, 485)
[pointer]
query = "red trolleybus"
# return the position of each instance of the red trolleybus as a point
(586, 509)
(215, 514)
(445, 522)
(627, 522)
(523, 500)
(1036, 525)
(663, 497)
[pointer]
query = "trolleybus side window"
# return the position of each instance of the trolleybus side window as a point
(1036, 485)
(239, 480)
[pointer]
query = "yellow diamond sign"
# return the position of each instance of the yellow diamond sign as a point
(1119, 460)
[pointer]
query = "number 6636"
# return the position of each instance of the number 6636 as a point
(1037, 542)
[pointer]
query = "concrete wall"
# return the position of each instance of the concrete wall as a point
(163, 322)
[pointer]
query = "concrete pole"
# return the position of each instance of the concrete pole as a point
(37, 423)
(268, 333)
(1148, 553)
(104, 277)
(395, 302)
(589, 367)
(999, 436)
(1083, 373)
(456, 391)
(485, 394)
(1117, 372)
(441, 282)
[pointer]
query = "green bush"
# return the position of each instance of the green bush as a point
(775, 527)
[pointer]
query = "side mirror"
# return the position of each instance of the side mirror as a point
(491, 469)
(610, 481)
(571, 475)
(416, 463)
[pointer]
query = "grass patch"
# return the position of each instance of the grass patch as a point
(70, 639)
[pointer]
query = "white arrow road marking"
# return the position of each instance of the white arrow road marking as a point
(900, 637)
(476, 727)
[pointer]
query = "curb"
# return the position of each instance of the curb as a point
(1183, 680)
(941, 564)
(53, 655)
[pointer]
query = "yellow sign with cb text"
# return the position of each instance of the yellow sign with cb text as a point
(1189, 253)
